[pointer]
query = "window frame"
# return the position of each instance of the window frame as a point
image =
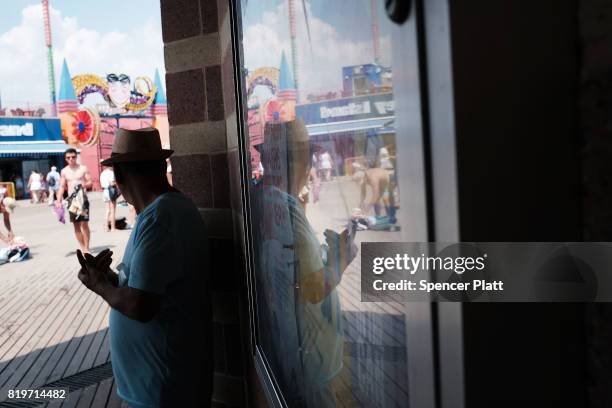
(433, 331)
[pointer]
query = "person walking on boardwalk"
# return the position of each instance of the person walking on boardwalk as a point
(53, 182)
(75, 179)
(110, 195)
(160, 322)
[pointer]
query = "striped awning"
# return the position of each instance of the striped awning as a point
(21, 149)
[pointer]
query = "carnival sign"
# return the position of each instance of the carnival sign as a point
(118, 91)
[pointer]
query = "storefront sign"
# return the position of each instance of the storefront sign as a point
(337, 110)
(31, 129)
(351, 109)
(17, 130)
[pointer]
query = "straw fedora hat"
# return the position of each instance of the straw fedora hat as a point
(132, 145)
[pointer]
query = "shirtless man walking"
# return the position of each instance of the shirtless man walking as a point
(76, 180)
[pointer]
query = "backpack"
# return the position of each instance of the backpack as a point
(51, 181)
(120, 223)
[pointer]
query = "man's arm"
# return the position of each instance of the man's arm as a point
(60, 192)
(87, 181)
(340, 253)
(133, 303)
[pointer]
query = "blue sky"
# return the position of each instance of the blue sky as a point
(96, 37)
(351, 18)
(102, 16)
(341, 33)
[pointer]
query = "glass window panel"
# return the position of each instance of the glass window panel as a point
(323, 156)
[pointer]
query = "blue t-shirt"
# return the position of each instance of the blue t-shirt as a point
(160, 363)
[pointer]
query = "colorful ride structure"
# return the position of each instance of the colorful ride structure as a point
(81, 124)
(91, 127)
(49, 45)
(275, 104)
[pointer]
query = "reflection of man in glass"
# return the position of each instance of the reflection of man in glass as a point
(298, 304)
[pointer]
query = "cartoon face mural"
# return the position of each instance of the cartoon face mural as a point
(119, 89)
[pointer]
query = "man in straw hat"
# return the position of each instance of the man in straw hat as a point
(160, 322)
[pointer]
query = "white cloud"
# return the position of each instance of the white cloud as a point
(23, 74)
(320, 61)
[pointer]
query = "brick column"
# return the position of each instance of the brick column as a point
(203, 134)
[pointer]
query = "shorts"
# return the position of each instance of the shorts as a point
(81, 218)
(106, 196)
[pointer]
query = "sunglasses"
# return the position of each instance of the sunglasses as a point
(70, 157)
(124, 79)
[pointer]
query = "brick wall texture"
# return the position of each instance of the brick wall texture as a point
(201, 112)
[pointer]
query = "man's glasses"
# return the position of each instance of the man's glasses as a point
(70, 157)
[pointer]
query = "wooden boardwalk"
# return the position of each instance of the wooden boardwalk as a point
(374, 372)
(51, 326)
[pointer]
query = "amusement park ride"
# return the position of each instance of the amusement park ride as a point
(277, 95)
(281, 85)
(126, 103)
(82, 125)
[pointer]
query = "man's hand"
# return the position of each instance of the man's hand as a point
(58, 204)
(341, 250)
(93, 270)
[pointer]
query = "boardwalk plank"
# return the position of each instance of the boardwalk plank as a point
(104, 351)
(66, 333)
(72, 399)
(113, 400)
(102, 394)
(95, 321)
(56, 338)
(35, 344)
(20, 351)
(16, 319)
(87, 396)
(96, 344)
(67, 348)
